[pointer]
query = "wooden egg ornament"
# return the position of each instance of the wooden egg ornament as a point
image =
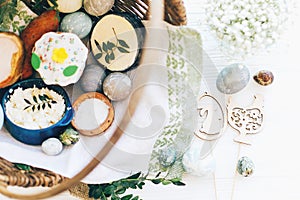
(117, 40)
(78, 23)
(67, 6)
(11, 56)
(97, 7)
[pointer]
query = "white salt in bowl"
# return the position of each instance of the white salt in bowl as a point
(94, 113)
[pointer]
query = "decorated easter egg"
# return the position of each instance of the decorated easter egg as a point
(245, 166)
(52, 146)
(116, 41)
(67, 6)
(92, 78)
(233, 78)
(117, 86)
(78, 23)
(97, 7)
(167, 156)
(264, 77)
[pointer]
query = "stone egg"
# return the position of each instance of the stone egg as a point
(264, 77)
(233, 78)
(52, 146)
(117, 86)
(245, 166)
(97, 7)
(92, 78)
(78, 23)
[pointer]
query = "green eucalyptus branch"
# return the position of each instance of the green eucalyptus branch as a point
(114, 190)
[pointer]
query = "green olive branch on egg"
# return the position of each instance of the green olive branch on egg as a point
(109, 48)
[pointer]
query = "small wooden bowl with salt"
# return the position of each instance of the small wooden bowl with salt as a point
(94, 113)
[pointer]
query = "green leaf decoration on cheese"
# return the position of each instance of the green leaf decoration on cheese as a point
(109, 48)
(35, 61)
(123, 50)
(70, 70)
(123, 43)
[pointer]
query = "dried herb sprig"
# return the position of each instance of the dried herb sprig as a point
(114, 190)
(108, 48)
(40, 102)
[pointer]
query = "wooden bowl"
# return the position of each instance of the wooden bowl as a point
(101, 127)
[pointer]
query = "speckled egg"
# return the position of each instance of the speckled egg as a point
(233, 78)
(92, 78)
(167, 156)
(52, 146)
(78, 23)
(264, 77)
(245, 166)
(117, 86)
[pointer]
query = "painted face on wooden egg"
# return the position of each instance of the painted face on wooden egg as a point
(78, 23)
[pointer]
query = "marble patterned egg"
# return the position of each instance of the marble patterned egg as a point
(52, 146)
(233, 78)
(92, 78)
(167, 156)
(245, 166)
(78, 23)
(264, 77)
(117, 86)
(97, 7)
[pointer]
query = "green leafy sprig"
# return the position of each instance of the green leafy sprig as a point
(109, 48)
(114, 190)
(40, 102)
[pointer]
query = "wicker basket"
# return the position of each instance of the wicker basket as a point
(12, 175)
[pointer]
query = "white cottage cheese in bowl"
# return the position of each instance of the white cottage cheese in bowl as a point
(35, 108)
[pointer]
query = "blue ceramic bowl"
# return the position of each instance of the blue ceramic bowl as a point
(37, 136)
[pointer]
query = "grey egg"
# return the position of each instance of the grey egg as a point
(92, 78)
(117, 86)
(233, 78)
(245, 166)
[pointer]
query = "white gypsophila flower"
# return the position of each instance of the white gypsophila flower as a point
(246, 26)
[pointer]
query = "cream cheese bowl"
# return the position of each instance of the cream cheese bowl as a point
(37, 136)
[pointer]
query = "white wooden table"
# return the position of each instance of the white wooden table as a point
(275, 150)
